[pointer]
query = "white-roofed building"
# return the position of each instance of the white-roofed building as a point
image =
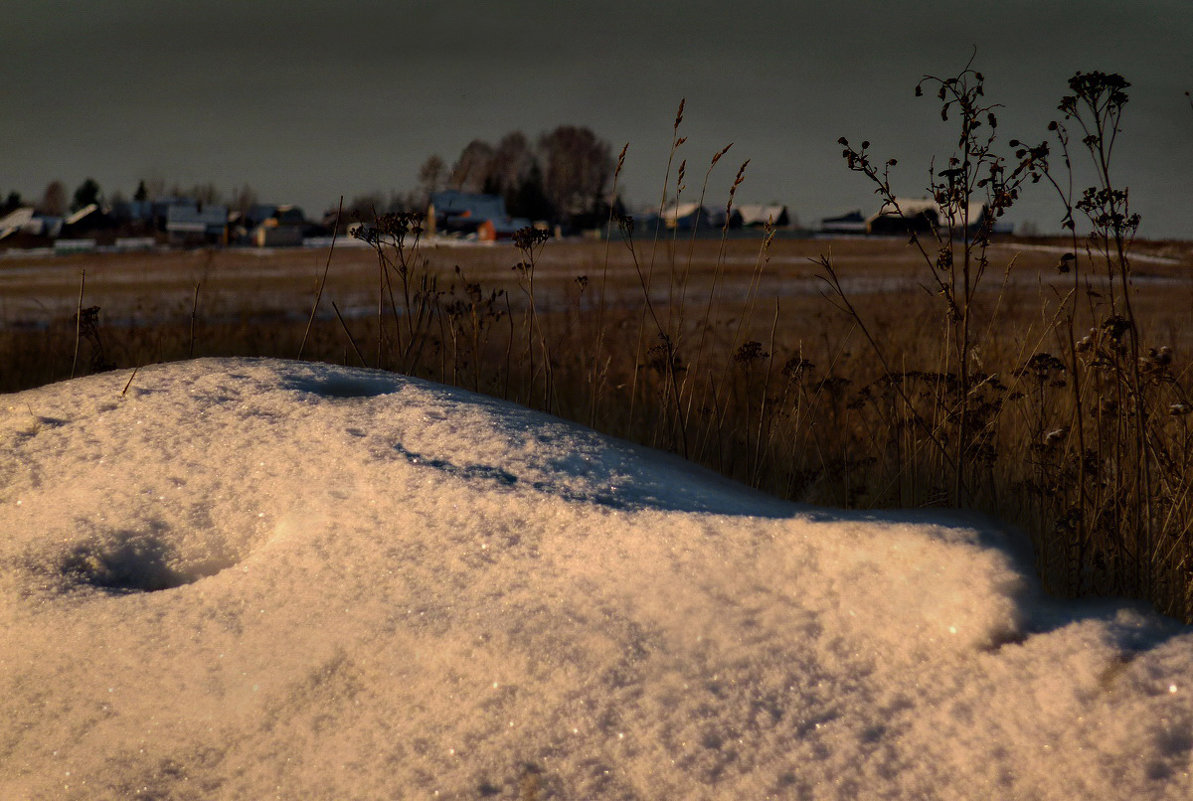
(687, 216)
(904, 215)
(15, 221)
(24, 228)
(756, 215)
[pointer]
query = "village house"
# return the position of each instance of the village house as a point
(189, 224)
(906, 215)
(758, 215)
(909, 215)
(693, 216)
(271, 226)
(471, 214)
(169, 221)
(852, 223)
(25, 228)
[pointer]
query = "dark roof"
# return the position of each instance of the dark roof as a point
(452, 203)
(191, 219)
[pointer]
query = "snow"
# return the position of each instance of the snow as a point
(264, 579)
(1135, 257)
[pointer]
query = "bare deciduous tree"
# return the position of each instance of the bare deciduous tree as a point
(577, 165)
(512, 164)
(472, 170)
(243, 199)
(365, 207)
(53, 200)
(431, 175)
(205, 194)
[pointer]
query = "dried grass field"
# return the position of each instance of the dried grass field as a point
(735, 353)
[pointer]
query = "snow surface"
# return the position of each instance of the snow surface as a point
(252, 579)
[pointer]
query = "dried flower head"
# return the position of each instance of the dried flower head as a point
(529, 237)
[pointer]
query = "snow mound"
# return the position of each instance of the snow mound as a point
(264, 579)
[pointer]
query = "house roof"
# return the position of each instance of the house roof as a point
(189, 218)
(912, 207)
(683, 211)
(761, 213)
(90, 208)
(451, 203)
(17, 219)
(852, 223)
(289, 214)
(854, 216)
(27, 219)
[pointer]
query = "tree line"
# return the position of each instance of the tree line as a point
(55, 201)
(563, 176)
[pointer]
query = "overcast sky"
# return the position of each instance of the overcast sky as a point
(305, 101)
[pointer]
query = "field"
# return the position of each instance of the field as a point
(250, 302)
(736, 354)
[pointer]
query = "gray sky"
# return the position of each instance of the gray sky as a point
(306, 101)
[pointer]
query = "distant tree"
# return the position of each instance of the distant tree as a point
(513, 162)
(471, 171)
(142, 194)
(577, 165)
(53, 200)
(563, 179)
(405, 201)
(205, 194)
(244, 199)
(11, 203)
(365, 207)
(85, 195)
(431, 175)
(528, 199)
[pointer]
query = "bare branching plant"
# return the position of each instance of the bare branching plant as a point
(395, 238)
(529, 243)
(1114, 482)
(952, 233)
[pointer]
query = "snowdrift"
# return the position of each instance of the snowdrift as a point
(262, 579)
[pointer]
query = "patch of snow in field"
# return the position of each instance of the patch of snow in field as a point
(264, 579)
(1133, 256)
